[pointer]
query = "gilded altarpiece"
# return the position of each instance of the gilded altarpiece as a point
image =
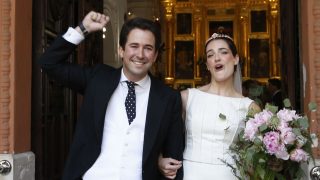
(252, 24)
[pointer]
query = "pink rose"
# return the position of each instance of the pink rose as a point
(282, 152)
(262, 117)
(287, 136)
(271, 140)
(250, 130)
(299, 155)
(287, 115)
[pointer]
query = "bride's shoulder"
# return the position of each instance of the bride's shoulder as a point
(255, 107)
(204, 88)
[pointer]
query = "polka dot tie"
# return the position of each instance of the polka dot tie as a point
(131, 102)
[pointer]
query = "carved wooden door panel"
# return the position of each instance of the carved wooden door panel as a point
(54, 108)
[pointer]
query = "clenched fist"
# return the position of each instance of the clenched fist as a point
(94, 21)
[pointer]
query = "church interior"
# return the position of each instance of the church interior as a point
(273, 39)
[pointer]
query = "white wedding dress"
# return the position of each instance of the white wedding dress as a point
(208, 137)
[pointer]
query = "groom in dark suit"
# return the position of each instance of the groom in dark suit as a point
(127, 117)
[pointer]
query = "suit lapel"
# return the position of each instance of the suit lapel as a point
(153, 118)
(102, 99)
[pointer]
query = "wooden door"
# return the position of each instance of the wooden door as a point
(291, 67)
(54, 108)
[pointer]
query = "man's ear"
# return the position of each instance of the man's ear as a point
(156, 56)
(120, 51)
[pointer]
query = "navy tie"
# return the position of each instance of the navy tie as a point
(131, 101)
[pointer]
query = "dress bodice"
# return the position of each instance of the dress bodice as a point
(209, 136)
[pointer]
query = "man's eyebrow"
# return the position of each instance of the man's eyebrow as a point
(149, 45)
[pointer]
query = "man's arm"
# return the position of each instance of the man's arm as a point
(174, 146)
(53, 61)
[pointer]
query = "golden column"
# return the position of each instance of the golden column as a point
(169, 40)
(198, 43)
(243, 43)
(274, 68)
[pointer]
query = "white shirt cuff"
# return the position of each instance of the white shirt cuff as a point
(73, 36)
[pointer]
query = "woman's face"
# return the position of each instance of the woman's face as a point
(220, 60)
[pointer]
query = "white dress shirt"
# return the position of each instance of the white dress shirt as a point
(122, 144)
(73, 36)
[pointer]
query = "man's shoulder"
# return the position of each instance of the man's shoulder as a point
(104, 68)
(162, 86)
(164, 90)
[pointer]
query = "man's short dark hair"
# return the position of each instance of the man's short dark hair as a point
(275, 82)
(143, 24)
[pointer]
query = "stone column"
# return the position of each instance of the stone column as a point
(198, 43)
(169, 26)
(275, 61)
(243, 41)
(116, 10)
(15, 88)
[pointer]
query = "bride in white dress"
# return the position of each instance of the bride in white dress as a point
(213, 115)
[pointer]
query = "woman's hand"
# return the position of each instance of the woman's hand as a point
(169, 166)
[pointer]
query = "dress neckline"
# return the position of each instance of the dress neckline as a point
(240, 98)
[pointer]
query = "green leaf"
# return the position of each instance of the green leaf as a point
(273, 109)
(251, 113)
(261, 171)
(261, 160)
(303, 122)
(263, 127)
(257, 142)
(269, 175)
(249, 154)
(287, 103)
(312, 106)
(222, 116)
(296, 131)
(280, 176)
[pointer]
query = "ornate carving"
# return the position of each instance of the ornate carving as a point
(5, 53)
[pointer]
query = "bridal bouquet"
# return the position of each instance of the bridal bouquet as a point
(272, 145)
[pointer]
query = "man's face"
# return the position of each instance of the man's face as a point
(139, 54)
(271, 88)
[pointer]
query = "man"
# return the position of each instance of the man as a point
(274, 88)
(127, 116)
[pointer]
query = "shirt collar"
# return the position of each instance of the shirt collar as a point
(143, 83)
(276, 92)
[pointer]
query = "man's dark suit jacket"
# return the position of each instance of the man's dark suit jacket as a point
(163, 128)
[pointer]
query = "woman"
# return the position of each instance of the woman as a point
(213, 114)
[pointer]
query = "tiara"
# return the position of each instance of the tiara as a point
(218, 35)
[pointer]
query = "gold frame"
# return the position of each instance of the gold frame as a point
(176, 24)
(184, 69)
(185, 8)
(259, 56)
(265, 33)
